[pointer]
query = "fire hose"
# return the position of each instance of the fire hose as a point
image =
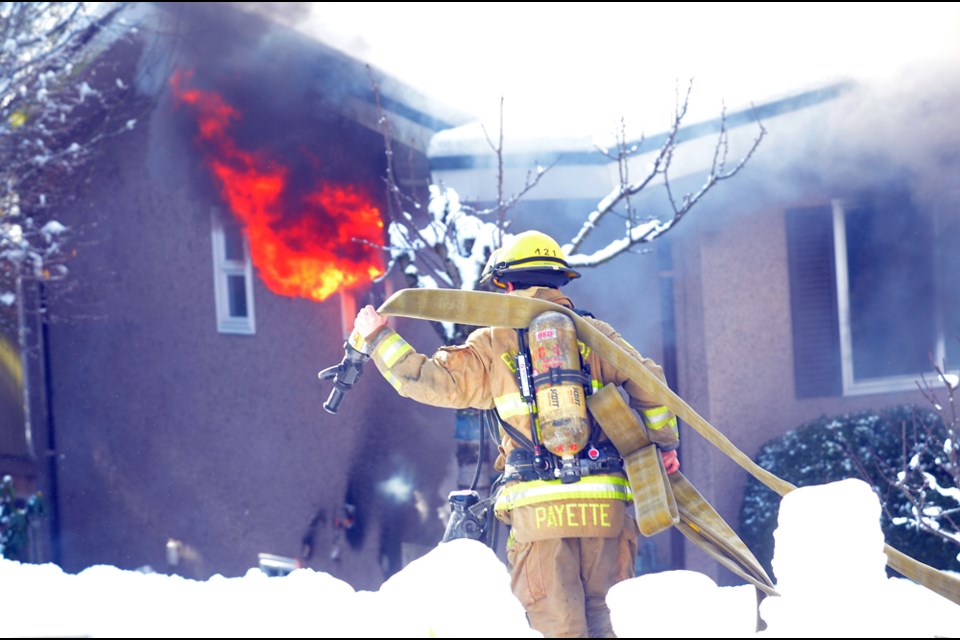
(480, 308)
(494, 309)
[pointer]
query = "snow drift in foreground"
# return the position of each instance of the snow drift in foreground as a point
(829, 563)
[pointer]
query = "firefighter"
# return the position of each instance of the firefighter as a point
(571, 538)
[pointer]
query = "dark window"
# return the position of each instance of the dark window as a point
(892, 300)
(948, 279)
(872, 292)
(233, 242)
(237, 288)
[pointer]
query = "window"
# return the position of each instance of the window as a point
(232, 277)
(870, 299)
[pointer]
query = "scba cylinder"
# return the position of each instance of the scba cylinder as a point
(558, 383)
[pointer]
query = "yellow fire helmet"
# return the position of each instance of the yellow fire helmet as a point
(531, 257)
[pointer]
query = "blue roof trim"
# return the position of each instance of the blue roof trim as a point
(737, 119)
(414, 115)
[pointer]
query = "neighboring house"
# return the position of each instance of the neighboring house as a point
(176, 415)
(819, 281)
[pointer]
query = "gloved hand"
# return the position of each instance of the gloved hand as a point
(368, 322)
(670, 461)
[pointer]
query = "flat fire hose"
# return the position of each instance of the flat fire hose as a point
(480, 308)
(656, 506)
(663, 500)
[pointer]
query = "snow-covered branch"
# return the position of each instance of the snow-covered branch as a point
(929, 477)
(446, 243)
(640, 231)
(443, 244)
(58, 102)
(926, 474)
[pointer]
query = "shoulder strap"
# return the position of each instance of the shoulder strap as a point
(513, 432)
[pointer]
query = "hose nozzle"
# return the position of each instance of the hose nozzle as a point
(355, 353)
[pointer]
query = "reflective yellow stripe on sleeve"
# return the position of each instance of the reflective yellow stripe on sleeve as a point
(599, 487)
(392, 349)
(659, 417)
(393, 380)
(511, 405)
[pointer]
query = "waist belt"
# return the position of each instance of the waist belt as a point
(602, 458)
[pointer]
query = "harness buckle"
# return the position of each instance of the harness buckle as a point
(525, 465)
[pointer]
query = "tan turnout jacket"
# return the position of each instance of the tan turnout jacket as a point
(481, 374)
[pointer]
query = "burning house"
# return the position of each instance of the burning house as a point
(223, 244)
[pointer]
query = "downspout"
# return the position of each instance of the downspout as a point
(25, 367)
(51, 452)
(35, 340)
(669, 360)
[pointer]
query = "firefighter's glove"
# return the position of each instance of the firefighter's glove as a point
(369, 322)
(670, 461)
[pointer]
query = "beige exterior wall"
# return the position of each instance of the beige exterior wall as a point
(736, 367)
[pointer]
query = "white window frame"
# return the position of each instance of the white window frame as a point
(852, 387)
(223, 269)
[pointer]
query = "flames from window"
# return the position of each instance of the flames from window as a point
(304, 243)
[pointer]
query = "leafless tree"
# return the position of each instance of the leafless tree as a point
(60, 99)
(922, 482)
(449, 245)
(444, 243)
(928, 476)
(56, 106)
(618, 202)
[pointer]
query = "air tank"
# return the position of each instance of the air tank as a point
(558, 384)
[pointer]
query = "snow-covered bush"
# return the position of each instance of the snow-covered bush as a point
(16, 516)
(873, 446)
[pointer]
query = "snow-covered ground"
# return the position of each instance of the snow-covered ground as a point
(828, 559)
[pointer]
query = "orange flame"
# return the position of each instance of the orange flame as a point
(328, 243)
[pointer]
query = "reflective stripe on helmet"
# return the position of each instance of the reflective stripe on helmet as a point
(525, 252)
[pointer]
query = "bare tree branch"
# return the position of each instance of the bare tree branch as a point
(445, 243)
(451, 246)
(531, 181)
(60, 99)
(927, 475)
(640, 232)
(405, 236)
